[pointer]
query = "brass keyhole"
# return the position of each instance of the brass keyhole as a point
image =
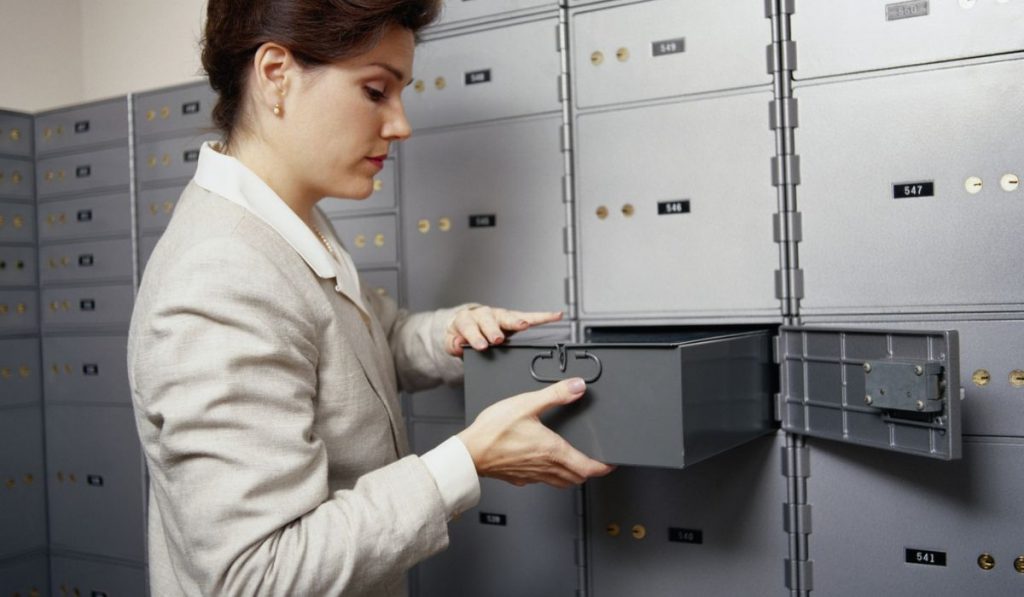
(628, 210)
(24, 371)
(596, 58)
(1017, 378)
(613, 530)
(622, 54)
(16, 177)
(378, 185)
(973, 185)
(18, 222)
(378, 240)
(361, 241)
(639, 531)
(419, 86)
(602, 212)
(986, 561)
(981, 377)
(1010, 182)
(150, 114)
(440, 83)
(165, 112)
(15, 134)
(423, 226)
(1018, 564)
(444, 224)
(151, 161)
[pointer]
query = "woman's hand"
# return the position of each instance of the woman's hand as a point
(481, 326)
(507, 441)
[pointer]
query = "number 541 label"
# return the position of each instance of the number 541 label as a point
(925, 557)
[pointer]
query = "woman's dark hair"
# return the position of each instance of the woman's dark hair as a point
(317, 32)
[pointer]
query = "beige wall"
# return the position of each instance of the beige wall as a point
(60, 52)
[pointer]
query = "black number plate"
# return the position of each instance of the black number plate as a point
(82, 126)
(478, 76)
(190, 108)
(677, 535)
(483, 221)
(925, 557)
(668, 46)
(668, 208)
(907, 190)
(493, 519)
(83, 172)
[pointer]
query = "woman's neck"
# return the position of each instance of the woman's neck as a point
(261, 159)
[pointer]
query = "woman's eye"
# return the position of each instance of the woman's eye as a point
(375, 95)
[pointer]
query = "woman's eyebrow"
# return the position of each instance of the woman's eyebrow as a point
(394, 71)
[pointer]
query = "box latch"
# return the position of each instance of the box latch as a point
(904, 386)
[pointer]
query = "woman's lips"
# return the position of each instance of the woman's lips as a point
(378, 161)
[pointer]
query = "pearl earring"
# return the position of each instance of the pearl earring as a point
(277, 109)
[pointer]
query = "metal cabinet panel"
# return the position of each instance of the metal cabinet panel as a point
(169, 159)
(146, 245)
(369, 240)
(85, 218)
(384, 196)
(463, 10)
(86, 307)
(893, 205)
(17, 179)
(156, 206)
(889, 34)
(15, 134)
(18, 311)
(502, 245)
(517, 541)
(17, 266)
(86, 369)
(383, 282)
(440, 402)
(667, 405)
(486, 75)
(87, 171)
(72, 128)
(24, 576)
(675, 209)
(23, 496)
(919, 527)
(17, 223)
(96, 494)
(661, 532)
(95, 261)
(19, 372)
(74, 576)
(666, 48)
(171, 110)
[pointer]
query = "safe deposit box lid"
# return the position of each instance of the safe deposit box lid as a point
(667, 404)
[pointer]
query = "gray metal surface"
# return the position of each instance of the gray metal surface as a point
(935, 31)
(665, 405)
(864, 251)
(371, 240)
(868, 511)
(520, 82)
(83, 308)
(156, 206)
(83, 370)
(533, 553)
(664, 48)
(991, 370)
(146, 245)
(169, 159)
(93, 261)
(18, 311)
(385, 196)
(829, 388)
(510, 171)
(91, 170)
(732, 504)
(15, 134)
(382, 281)
(17, 222)
(19, 371)
(94, 465)
(23, 491)
(96, 579)
(717, 259)
(456, 11)
(17, 266)
(72, 128)
(25, 576)
(17, 178)
(181, 108)
(440, 402)
(88, 217)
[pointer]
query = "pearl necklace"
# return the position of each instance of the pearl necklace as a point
(323, 239)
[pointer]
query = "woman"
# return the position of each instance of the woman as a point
(265, 378)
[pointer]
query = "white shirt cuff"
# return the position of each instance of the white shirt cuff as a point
(455, 476)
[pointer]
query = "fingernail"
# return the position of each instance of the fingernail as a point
(497, 339)
(480, 345)
(522, 322)
(577, 385)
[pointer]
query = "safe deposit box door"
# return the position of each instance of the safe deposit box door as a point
(897, 390)
(666, 405)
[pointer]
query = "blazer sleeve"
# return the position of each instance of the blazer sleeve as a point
(223, 360)
(417, 343)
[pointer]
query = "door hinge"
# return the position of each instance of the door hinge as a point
(796, 462)
(785, 171)
(798, 284)
(566, 138)
(783, 113)
(796, 518)
(781, 57)
(566, 188)
(799, 575)
(794, 223)
(774, 8)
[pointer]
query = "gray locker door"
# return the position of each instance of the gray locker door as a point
(94, 261)
(894, 202)
(518, 541)
(371, 241)
(890, 389)
(86, 370)
(97, 170)
(904, 526)
(156, 206)
(17, 223)
(88, 578)
(17, 267)
(665, 48)
(17, 178)
(96, 494)
(18, 311)
(490, 231)
(19, 372)
(27, 576)
(101, 122)
(462, 10)
(86, 307)
(384, 196)
(170, 159)
(442, 402)
(23, 494)
(889, 33)
(384, 282)
(714, 529)
(85, 218)
(675, 210)
(178, 109)
(15, 134)
(485, 75)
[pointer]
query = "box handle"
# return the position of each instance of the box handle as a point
(562, 364)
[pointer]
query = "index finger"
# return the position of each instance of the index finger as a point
(515, 318)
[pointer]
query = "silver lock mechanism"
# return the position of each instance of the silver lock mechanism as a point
(905, 386)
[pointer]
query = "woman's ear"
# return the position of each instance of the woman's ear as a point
(273, 63)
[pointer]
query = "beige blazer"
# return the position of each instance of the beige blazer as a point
(267, 405)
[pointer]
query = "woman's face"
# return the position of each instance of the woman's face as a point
(342, 119)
